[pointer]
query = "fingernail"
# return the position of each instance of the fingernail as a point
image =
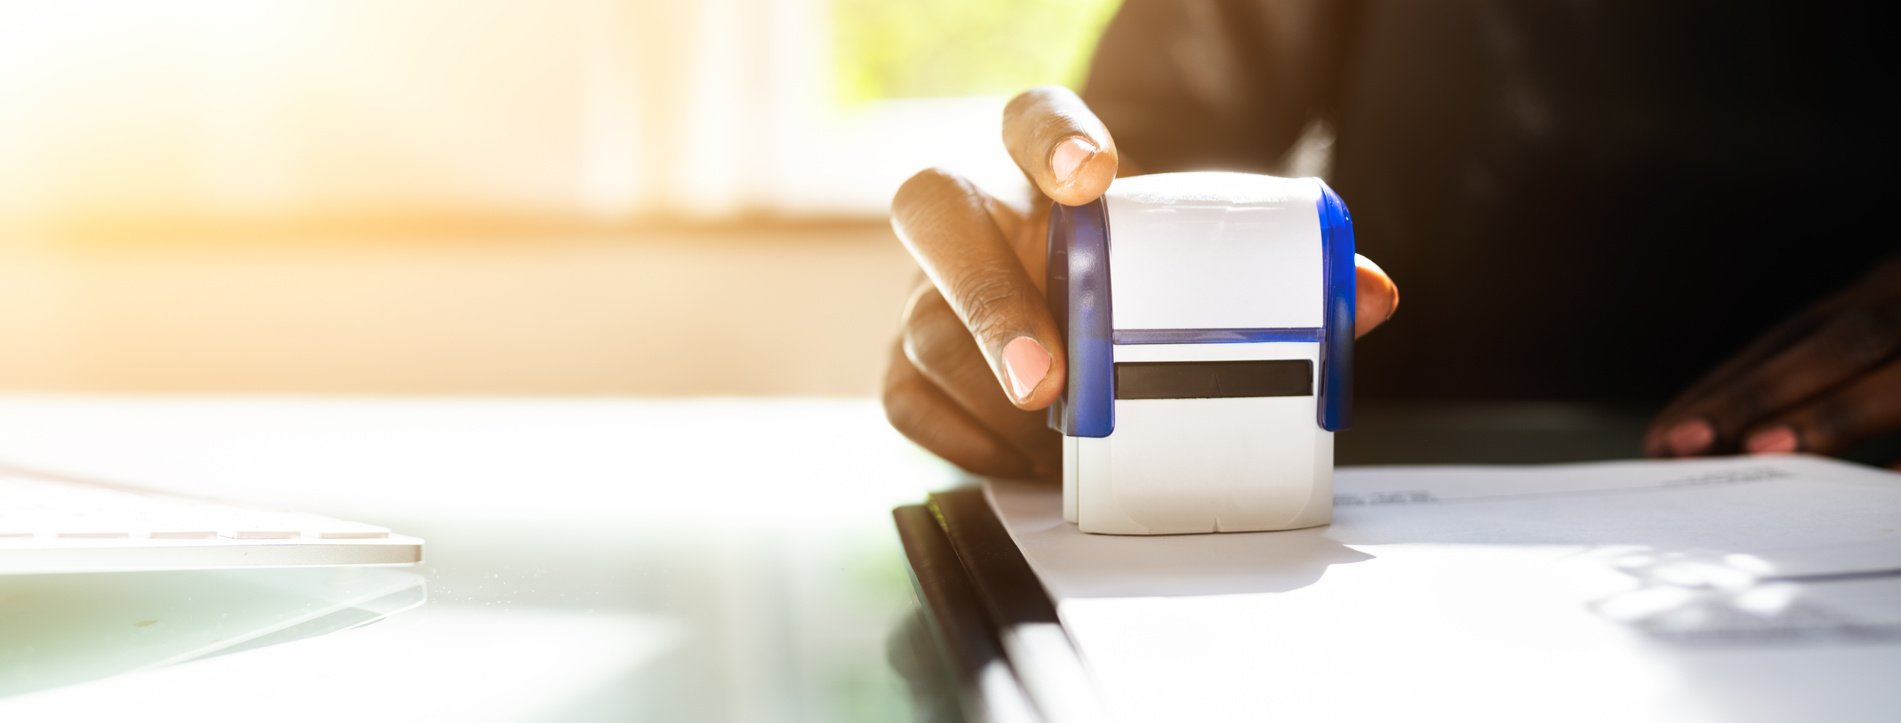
(1069, 156)
(1025, 362)
(1774, 440)
(1692, 437)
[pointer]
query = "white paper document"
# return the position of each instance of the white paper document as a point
(1736, 589)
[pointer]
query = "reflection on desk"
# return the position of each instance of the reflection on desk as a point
(588, 559)
(65, 629)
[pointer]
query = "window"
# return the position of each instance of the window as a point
(129, 115)
(948, 48)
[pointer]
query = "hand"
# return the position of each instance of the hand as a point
(1821, 382)
(979, 352)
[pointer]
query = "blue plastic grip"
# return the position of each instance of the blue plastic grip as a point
(1336, 349)
(1079, 297)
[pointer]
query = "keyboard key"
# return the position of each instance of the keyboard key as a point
(262, 534)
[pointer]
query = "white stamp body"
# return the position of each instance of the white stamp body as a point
(1208, 320)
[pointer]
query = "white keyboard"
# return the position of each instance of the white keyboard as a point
(53, 524)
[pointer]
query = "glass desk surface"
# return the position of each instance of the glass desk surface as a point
(716, 560)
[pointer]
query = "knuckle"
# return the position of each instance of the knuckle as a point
(1839, 417)
(897, 369)
(933, 336)
(910, 418)
(1032, 99)
(923, 350)
(1020, 104)
(928, 185)
(900, 402)
(987, 301)
(895, 412)
(1828, 423)
(1732, 408)
(925, 307)
(1865, 335)
(916, 313)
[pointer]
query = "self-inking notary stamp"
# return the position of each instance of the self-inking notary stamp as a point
(1209, 329)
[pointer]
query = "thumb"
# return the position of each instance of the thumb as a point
(1060, 145)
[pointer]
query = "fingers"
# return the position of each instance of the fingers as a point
(1681, 430)
(1868, 408)
(923, 414)
(1780, 337)
(1846, 346)
(947, 225)
(1063, 148)
(1377, 296)
(937, 345)
(1677, 430)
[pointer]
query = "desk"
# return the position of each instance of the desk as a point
(587, 559)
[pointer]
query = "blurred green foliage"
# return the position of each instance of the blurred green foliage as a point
(934, 48)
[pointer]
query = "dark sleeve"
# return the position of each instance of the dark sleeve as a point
(1215, 84)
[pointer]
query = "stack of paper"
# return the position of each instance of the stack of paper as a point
(1758, 588)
